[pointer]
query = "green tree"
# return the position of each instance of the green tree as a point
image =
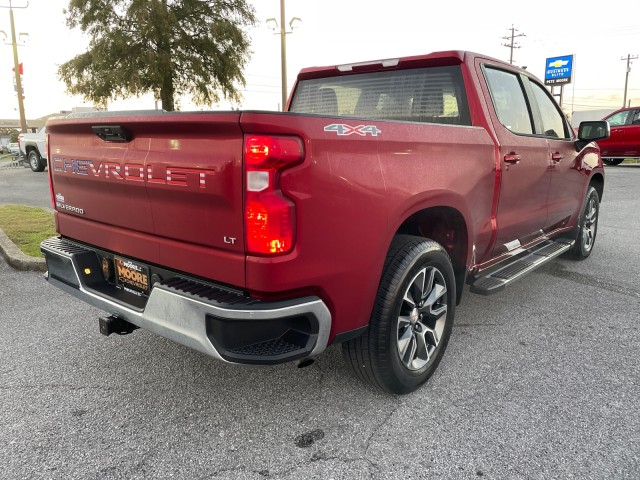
(168, 47)
(12, 132)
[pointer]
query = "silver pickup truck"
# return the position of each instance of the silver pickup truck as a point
(32, 146)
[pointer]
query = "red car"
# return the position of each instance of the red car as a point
(624, 141)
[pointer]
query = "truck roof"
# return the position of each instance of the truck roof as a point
(448, 57)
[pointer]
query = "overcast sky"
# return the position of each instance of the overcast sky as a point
(332, 32)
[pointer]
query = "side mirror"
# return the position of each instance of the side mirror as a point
(591, 131)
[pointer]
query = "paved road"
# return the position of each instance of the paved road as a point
(539, 382)
(24, 187)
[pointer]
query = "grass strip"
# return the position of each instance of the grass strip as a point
(27, 227)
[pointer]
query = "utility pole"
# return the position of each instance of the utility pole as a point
(16, 67)
(512, 44)
(626, 78)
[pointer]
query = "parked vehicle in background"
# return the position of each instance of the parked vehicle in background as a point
(357, 217)
(624, 141)
(14, 148)
(32, 146)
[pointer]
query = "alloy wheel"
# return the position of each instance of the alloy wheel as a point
(590, 222)
(422, 318)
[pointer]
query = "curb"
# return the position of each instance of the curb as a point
(17, 259)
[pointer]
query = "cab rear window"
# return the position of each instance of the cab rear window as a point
(429, 95)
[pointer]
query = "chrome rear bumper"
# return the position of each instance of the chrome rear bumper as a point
(216, 321)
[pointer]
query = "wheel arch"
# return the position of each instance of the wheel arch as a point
(597, 182)
(447, 226)
(29, 148)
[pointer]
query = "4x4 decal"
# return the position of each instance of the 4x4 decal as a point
(343, 129)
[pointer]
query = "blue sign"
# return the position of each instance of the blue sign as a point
(558, 70)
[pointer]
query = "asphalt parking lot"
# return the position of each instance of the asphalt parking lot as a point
(539, 382)
(23, 187)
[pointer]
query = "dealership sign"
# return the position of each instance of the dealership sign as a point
(558, 70)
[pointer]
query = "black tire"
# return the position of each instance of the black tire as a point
(587, 226)
(35, 162)
(420, 329)
(613, 161)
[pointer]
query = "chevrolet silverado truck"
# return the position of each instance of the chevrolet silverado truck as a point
(356, 217)
(32, 147)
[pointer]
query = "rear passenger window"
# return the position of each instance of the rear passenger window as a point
(430, 95)
(619, 118)
(552, 119)
(509, 101)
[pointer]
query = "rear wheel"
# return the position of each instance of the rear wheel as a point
(35, 162)
(412, 318)
(587, 226)
(613, 161)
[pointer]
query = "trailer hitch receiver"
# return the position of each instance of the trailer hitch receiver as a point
(111, 324)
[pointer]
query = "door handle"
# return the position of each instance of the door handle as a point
(556, 157)
(512, 158)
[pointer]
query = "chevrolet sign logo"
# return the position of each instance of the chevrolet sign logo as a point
(558, 63)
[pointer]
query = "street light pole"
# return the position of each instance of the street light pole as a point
(282, 31)
(283, 55)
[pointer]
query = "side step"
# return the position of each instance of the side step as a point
(495, 281)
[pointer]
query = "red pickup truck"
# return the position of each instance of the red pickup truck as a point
(356, 217)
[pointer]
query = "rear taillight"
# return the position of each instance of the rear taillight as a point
(269, 214)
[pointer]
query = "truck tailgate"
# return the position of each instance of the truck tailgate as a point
(167, 192)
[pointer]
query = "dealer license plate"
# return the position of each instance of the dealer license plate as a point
(132, 276)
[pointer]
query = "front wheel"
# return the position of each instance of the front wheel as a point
(587, 226)
(35, 162)
(412, 318)
(613, 161)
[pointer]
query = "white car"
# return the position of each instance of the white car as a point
(14, 148)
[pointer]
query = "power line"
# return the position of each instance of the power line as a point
(601, 105)
(263, 85)
(263, 76)
(603, 89)
(512, 45)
